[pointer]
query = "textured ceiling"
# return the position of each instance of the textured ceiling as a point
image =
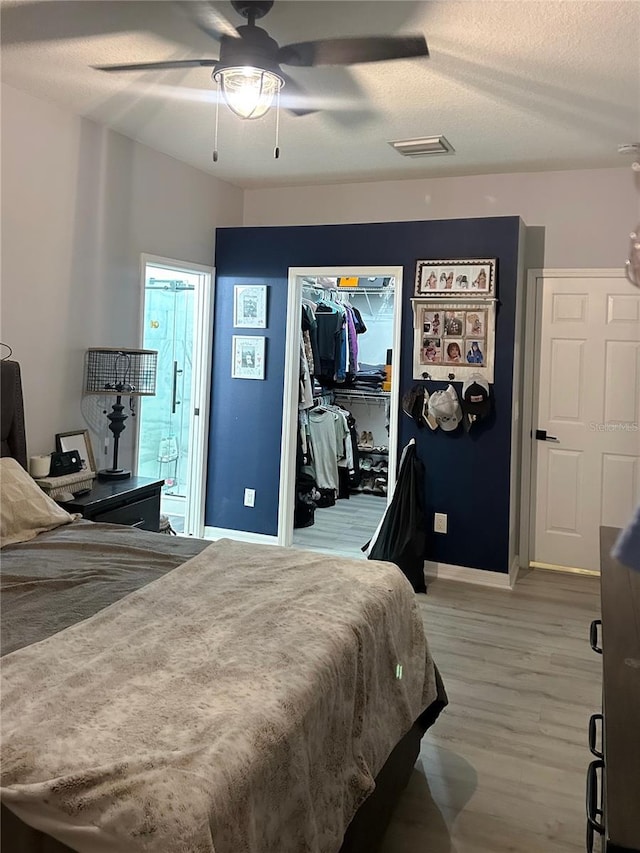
(514, 86)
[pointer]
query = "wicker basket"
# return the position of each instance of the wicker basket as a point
(67, 484)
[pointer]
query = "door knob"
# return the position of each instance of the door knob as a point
(541, 435)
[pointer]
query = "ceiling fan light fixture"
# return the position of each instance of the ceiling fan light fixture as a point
(421, 146)
(248, 91)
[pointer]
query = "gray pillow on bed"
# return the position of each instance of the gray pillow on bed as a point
(25, 510)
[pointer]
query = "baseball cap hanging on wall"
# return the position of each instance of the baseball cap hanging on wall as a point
(444, 410)
(476, 400)
(414, 404)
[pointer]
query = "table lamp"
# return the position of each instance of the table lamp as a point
(122, 372)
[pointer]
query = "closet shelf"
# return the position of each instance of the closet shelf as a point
(378, 451)
(354, 394)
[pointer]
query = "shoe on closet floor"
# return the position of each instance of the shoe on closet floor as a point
(380, 485)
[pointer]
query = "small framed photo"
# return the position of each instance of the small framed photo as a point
(454, 323)
(453, 351)
(456, 278)
(431, 352)
(250, 306)
(475, 352)
(432, 323)
(247, 357)
(80, 441)
(476, 324)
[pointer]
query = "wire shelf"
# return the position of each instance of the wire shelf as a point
(356, 394)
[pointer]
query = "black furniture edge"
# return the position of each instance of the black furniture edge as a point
(613, 778)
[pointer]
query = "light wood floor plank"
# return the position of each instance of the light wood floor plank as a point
(343, 528)
(503, 770)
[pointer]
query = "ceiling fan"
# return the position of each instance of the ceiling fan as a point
(248, 69)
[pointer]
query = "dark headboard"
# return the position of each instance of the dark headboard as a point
(12, 433)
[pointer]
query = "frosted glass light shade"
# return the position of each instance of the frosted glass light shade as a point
(248, 91)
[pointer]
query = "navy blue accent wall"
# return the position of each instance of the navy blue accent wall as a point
(467, 474)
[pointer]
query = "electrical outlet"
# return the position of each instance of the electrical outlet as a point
(249, 497)
(440, 522)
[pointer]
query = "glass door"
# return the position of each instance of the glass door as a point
(166, 441)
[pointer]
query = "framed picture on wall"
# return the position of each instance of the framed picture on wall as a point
(457, 278)
(250, 306)
(247, 357)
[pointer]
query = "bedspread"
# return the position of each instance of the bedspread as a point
(66, 575)
(242, 703)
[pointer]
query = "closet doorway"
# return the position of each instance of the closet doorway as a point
(176, 321)
(340, 419)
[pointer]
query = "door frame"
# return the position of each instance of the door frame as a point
(200, 384)
(286, 493)
(531, 388)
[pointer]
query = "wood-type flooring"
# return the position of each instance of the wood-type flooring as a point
(503, 769)
(343, 528)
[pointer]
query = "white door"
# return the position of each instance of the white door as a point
(588, 468)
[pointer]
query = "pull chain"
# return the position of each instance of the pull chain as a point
(276, 150)
(215, 135)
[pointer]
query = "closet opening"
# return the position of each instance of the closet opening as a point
(340, 418)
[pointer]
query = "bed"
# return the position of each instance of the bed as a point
(176, 695)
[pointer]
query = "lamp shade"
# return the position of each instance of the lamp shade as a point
(248, 91)
(127, 372)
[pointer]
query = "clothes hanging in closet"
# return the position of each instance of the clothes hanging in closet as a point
(338, 328)
(310, 334)
(330, 321)
(327, 431)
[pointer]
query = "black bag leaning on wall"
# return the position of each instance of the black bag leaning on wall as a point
(65, 462)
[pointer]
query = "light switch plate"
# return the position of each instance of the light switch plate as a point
(249, 497)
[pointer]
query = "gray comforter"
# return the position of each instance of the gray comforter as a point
(242, 703)
(68, 574)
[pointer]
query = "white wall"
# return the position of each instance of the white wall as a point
(80, 203)
(587, 215)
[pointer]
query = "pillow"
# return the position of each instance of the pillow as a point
(25, 510)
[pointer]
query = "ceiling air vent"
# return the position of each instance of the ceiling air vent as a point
(422, 146)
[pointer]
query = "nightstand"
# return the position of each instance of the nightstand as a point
(134, 502)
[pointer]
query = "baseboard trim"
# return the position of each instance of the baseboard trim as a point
(239, 536)
(465, 574)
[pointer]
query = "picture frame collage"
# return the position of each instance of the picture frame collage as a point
(454, 319)
(248, 352)
(456, 336)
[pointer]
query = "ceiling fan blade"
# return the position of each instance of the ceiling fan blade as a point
(293, 89)
(349, 51)
(158, 66)
(207, 18)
